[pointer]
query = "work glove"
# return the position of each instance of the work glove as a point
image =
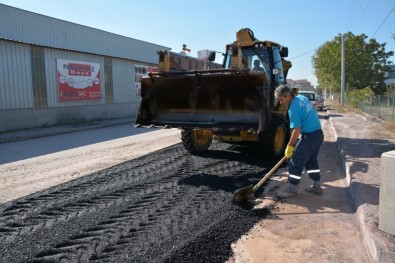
(289, 151)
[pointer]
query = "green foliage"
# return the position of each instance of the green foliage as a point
(359, 95)
(366, 62)
(390, 91)
(318, 90)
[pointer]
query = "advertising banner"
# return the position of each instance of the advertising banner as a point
(140, 71)
(78, 80)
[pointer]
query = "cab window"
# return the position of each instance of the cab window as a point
(279, 75)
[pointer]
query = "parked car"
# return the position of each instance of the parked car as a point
(311, 96)
(320, 102)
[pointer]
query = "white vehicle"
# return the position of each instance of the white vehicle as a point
(320, 102)
(311, 96)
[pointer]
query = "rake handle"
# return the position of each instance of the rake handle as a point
(256, 187)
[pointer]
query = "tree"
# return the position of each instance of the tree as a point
(359, 95)
(390, 91)
(366, 62)
(318, 90)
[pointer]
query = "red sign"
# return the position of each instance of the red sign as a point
(78, 80)
(79, 69)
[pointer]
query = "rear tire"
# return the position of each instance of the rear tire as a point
(194, 143)
(272, 143)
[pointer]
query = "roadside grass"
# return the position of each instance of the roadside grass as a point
(389, 125)
(341, 109)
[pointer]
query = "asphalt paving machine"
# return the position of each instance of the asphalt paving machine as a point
(234, 104)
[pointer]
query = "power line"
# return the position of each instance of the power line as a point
(348, 16)
(303, 54)
(355, 14)
(393, 9)
(362, 14)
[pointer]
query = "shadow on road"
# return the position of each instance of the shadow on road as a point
(24, 149)
(364, 175)
(364, 148)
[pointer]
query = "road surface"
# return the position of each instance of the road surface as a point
(142, 198)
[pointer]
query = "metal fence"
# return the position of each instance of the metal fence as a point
(381, 106)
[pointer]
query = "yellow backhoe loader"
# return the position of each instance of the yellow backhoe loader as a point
(234, 104)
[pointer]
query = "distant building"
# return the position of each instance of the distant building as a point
(302, 84)
(186, 62)
(390, 81)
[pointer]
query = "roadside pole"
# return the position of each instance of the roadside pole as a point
(342, 73)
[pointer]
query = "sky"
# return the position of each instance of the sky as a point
(301, 25)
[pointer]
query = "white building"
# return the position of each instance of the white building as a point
(390, 81)
(55, 72)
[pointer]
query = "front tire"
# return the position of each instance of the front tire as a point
(196, 141)
(273, 142)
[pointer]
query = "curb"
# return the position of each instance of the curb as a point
(370, 243)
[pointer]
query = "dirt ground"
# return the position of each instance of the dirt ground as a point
(307, 228)
(327, 229)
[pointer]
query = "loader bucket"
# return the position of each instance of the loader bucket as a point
(221, 99)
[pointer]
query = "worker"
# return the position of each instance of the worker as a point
(257, 66)
(301, 153)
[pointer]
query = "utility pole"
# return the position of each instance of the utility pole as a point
(342, 85)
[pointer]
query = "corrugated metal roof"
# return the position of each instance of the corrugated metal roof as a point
(31, 28)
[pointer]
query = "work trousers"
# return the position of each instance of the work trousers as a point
(305, 156)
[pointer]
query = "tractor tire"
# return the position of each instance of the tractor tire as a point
(272, 143)
(193, 143)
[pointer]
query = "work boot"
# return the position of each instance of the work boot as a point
(290, 191)
(314, 190)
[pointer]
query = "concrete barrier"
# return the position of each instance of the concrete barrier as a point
(387, 193)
